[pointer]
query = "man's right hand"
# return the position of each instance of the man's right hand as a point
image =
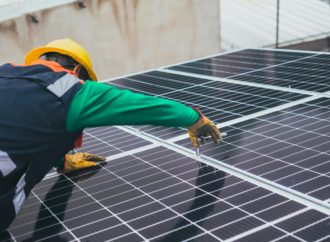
(203, 128)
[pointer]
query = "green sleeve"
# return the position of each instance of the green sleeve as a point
(98, 104)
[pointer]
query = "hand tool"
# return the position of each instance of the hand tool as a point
(224, 134)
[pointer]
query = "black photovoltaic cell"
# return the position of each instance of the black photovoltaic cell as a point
(238, 62)
(158, 195)
(310, 74)
(286, 69)
(315, 224)
(219, 101)
(289, 147)
(106, 141)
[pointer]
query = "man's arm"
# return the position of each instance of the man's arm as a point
(98, 104)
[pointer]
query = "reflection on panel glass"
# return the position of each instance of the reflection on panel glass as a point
(238, 62)
(289, 147)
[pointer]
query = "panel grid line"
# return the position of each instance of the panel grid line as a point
(269, 224)
(245, 83)
(246, 176)
(323, 239)
(274, 159)
(156, 199)
(105, 208)
(150, 193)
(185, 91)
(59, 220)
(235, 195)
(220, 212)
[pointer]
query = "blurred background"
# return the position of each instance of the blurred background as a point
(127, 36)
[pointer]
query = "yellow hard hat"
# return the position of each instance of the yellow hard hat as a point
(65, 47)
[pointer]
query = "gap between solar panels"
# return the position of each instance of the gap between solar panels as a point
(259, 181)
(252, 84)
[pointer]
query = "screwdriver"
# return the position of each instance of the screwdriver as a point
(224, 134)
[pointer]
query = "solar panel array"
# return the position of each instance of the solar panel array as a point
(269, 180)
(290, 147)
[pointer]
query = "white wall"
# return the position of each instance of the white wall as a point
(122, 36)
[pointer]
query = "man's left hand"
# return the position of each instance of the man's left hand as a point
(80, 160)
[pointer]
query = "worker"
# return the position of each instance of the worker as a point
(45, 105)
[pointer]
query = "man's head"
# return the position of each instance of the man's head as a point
(68, 54)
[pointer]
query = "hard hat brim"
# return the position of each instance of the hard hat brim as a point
(35, 53)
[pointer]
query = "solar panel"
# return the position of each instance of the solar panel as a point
(158, 194)
(289, 147)
(269, 180)
(286, 69)
(239, 62)
(305, 74)
(106, 141)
